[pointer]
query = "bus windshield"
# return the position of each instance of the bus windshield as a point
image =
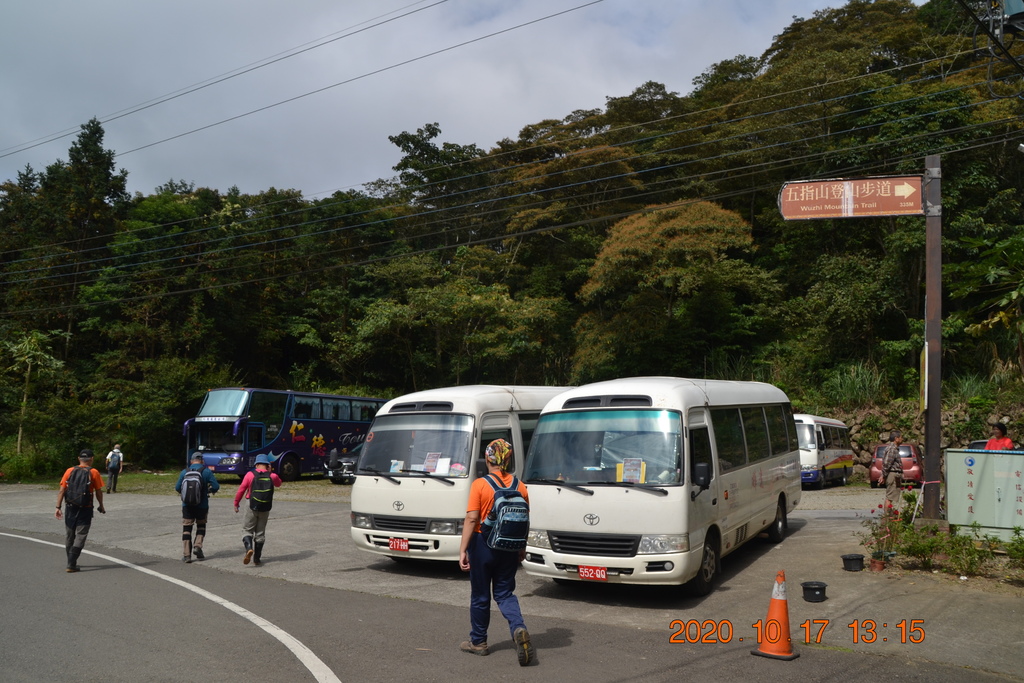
(224, 403)
(407, 444)
(607, 446)
(805, 434)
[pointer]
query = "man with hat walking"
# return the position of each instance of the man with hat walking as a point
(77, 487)
(258, 488)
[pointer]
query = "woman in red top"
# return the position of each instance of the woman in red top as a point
(999, 440)
(491, 569)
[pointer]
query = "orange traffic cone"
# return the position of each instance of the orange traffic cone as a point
(775, 641)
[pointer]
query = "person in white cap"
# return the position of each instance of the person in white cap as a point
(258, 487)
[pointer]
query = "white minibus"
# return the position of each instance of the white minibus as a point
(652, 480)
(825, 453)
(420, 456)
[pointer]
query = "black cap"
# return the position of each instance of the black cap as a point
(86, 453)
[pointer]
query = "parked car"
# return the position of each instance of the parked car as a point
(912, 470)
(340, 468)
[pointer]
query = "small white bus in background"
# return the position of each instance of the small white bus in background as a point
(825, 453)
(652, 480)
(420, 456)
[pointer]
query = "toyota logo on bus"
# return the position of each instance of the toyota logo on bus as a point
(398, 505)
(591, 519)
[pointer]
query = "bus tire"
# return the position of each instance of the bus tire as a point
(289, 468)
(845, 478)
(820, 484)
(704, 582)
(777, 529)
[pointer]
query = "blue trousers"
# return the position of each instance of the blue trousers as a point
(491, 570)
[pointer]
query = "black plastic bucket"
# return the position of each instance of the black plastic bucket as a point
(853, 563)
(814, 591)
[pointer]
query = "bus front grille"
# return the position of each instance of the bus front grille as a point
(404, 524)
(594, 544)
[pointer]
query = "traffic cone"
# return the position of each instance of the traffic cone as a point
(780, 647)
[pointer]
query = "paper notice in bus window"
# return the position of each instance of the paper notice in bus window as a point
(397, 465)
(632, 470)
(430, 463)
(443, 466)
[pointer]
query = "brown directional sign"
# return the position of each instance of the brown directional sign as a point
(852, 197)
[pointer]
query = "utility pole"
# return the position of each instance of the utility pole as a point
(932, 189)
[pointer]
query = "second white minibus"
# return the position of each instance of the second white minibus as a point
(653, 480)
(420, 456)
(825, 453)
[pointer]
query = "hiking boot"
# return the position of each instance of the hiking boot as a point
(199, 554)
(524, 650)
(257, 563)
(187, 559)
(475, 649)
(72, 570)
(256, 557)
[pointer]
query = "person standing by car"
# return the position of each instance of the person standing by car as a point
(892, 469)
(999, 440)
(76, 489)
(195, 490)
(491, 569)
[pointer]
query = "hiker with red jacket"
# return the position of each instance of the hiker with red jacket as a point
(258, 488)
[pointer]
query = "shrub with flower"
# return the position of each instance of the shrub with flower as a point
(883, 531)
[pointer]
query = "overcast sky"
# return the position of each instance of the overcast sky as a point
(319, 121)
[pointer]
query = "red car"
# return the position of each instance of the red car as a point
(911, 464)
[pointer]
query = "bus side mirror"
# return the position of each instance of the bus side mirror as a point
(701, 478)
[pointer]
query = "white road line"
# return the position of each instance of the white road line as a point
(321, 672)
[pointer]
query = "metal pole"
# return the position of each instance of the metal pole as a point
(933, 335)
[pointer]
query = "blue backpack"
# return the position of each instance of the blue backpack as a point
(508, 522)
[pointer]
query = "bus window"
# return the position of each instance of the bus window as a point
(268, 408)
(337, 408)
(306, 408)
(700, 449)
(365, 410)
(757, 434)
(527, 425)
(728, 438)
(254, 437)
(777, 429)
(787, 411)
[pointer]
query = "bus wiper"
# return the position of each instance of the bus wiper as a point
(656, 490)
(559, 482)
(431, 475)
(374, 470)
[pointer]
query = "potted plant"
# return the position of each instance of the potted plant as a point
(882, 535)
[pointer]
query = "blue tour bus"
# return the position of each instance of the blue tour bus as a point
(300, 429)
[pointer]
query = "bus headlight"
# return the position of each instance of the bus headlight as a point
(229, 461)
(445, 526)
(361, 521)
(664, 543)
(538, 538)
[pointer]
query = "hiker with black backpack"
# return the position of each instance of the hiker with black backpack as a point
(493, 544)
(76, 489)
(258, 487)
(195, 484)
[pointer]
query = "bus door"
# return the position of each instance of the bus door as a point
(254, 434)
(498, 426)
(704, 505)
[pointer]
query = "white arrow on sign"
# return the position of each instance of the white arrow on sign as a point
(905, 190)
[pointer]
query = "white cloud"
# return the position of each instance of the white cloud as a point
(76, 60)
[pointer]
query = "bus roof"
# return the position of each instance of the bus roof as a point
(817, 419)
(669, 392)
(473, 398)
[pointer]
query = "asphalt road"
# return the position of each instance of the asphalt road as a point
(321, 610)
